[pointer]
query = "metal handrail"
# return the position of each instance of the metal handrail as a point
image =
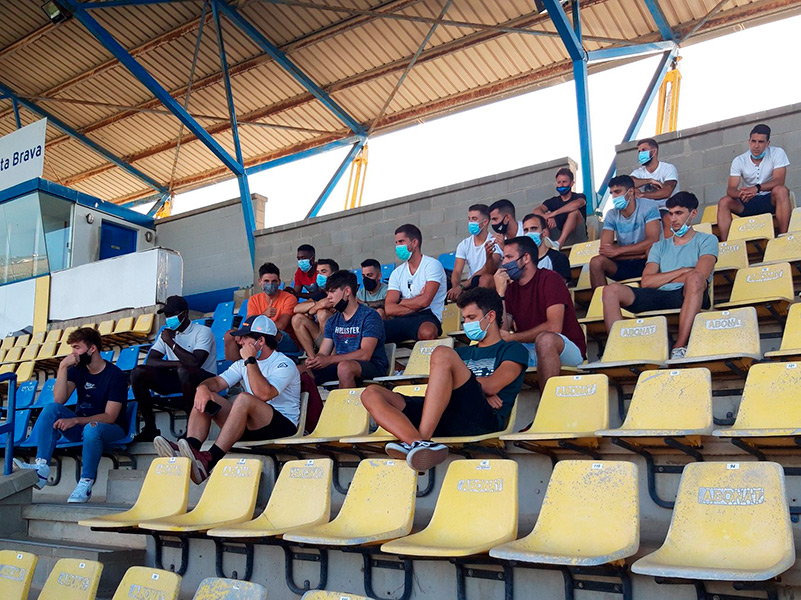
(8, 426)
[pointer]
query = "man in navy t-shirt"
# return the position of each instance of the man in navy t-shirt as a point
(99, 419)
(471, 390)
(353, 342)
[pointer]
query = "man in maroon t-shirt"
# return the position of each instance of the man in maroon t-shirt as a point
(538, 311)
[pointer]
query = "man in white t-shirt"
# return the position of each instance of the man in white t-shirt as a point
(756, 184)
(654, 179)
(183, 355)
(417, 289)
(269, 408)
(479, 253)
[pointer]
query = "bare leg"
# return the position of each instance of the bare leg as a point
(448, 372)
(615, 296)
(200, 422)
(549, 347)
(247, 412)
(348, 372)
(601, 267)
(306, 331)
(572, 221)
(386, 408)
(427, 331)
(780, 198)
(694, 286)
(726, 207)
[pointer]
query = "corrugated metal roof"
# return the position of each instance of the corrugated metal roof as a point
(356, 53)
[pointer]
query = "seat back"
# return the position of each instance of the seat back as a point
(732, 254)
(724, 332)
(582, 253)
(324, 595)
(124, 325)
(420, 358)
(784, 248)
(30, 352)
(165, 491)
(732, 516)
(144, 323)
(770, 397)
(791, 339)
(688, 392)
(145, 582)
(795, 221)
(343, 415)
(703, 227)
(224, 309)
(302, 494)
(591, 508)
(215, 588)
(386, 271)
(72, 579)
(128, 358)
(231, 491)
(577, 403)
(22, 341)
(243, 309)
(595, 312)
(447, 260)
(38, 337)
(583, 282)
(25, 371)
(16, 574)
(14, 354)
(390, 350)
(758, 227)
(47, 350)
(54, 335)
(106, 327)
(710, 214)
(451, 319)
(637, 340)
(26, 392)
(45, 395)
(8, 342)
(757, 283)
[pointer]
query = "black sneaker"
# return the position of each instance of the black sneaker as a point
(146, 436)
(425, 454)
(398, 450)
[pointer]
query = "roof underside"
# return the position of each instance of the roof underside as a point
(356, 54)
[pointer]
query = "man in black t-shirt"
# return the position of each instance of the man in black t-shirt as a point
(564, 212)
(99, 419)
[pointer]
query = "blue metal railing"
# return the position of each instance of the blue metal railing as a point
(8, 426)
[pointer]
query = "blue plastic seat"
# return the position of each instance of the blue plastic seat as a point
(128, 358)
(358, 273)
(447, 260)
(21, 424)
(386, 271)
(107, 355)
(243, 309)
(224, 309)
(130, 419)
(26, 393)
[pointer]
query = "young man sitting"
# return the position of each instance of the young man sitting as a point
(269, 407)
(98, 420)
(654, 179)
(536, 227)
(471, 389)
(306, 274)
(353, 343)
(503, 221)
(373, 292)
(309, 319)
(565, 211)
(637, 223)
(479, 253)
(677, 275)
(417, 291)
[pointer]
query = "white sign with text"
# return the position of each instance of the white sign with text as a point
(22, 154)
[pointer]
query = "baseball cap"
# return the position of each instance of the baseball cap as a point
(173, 306)
(257, 324)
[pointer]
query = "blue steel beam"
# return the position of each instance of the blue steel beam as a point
(626, 51)
(15, 104)
(113, 3)
(570, 38)
(59, 124)
(318, 205)
(282, 59)
(659, 18)
(290, 158)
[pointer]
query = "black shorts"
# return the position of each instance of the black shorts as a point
(629, 268)
(648, 299)
(561, 219)
(405, 328)
(467, 413)
(279, 427)
(758, 205)
(329, 373)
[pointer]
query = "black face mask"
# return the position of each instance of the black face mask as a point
(501, 227)
(341, 305)
(370, 284)
(84, 359)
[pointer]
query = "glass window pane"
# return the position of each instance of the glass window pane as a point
(22, 247)
(57, 225)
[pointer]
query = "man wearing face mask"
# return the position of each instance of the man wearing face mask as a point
(637, 224)
(416, 294)
(306, 274)
(309, 318)
(269, 408)
(479, 252)
(471, 390)
(536, 227)
(756, 184)
(99, 419)
(373, 292)
(275, 304)
(565, 211)
(184, 354)
(678, 274)
(503, 221)
(353, 344)
(539, 311)
(654, 179)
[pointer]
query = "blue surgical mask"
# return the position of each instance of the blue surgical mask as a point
(304, 264)
(644, 157)
(173, 322)
(270, 288)
(472, 329)
(321, 279)
(620, 202)
(473, 227)
(536, 236)
(759, 156)
(562, 189)
(682, 230)
(402, 251)
(513, 270)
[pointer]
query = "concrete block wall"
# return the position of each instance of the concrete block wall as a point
(703, 155)
(368, 232)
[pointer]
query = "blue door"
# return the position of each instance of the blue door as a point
(116, 240)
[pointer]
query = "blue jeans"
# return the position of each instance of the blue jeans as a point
(94, 435)
(287, 345)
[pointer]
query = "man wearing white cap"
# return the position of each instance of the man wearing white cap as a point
(269, 407)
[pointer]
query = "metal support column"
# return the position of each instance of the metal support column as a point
(337, 176)
(659, 19)
(15, 104)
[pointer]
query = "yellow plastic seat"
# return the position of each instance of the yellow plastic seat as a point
(581, 254)
(768, 288)
(419, 364)
(476, 510)
(704, 228)
(106, 328)
(731, 522)
(63, 349)
(7, 368)
(2, 355)
(8, 343)
(593, 321)
(215, 588)
(572, 407)
(25, 371)
(484, 439)
(451, 319)
(72, 579)
(300, 498)
(343, 415)
(144, 582)
(120, 331)
(47, 351)
(590, 516)
(633, 345)
(299, 432)
(30, 352)
(38, 337)
(758, 227)
(143, 326)
(791, 339)
(22, 341)
(710, 214)
(379, 506)
(724, 341)
(16, 574)
(786, 248)
(229, 497)
(323, 595)
(390, 350)
(381, 435)
(164, 494)
(54, 335)
(14, 355)
(795, 221)
(732, 256)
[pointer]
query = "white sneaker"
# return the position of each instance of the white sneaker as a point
(82, 491)
(678, 353)
(555, 244)
(41, 467)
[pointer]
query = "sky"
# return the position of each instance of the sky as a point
(538, 126)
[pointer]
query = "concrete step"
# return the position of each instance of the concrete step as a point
(59, 522)
(115, 560)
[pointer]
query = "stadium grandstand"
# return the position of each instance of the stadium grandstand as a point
(591, 395)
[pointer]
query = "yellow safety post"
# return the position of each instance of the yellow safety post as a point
(668, 114)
